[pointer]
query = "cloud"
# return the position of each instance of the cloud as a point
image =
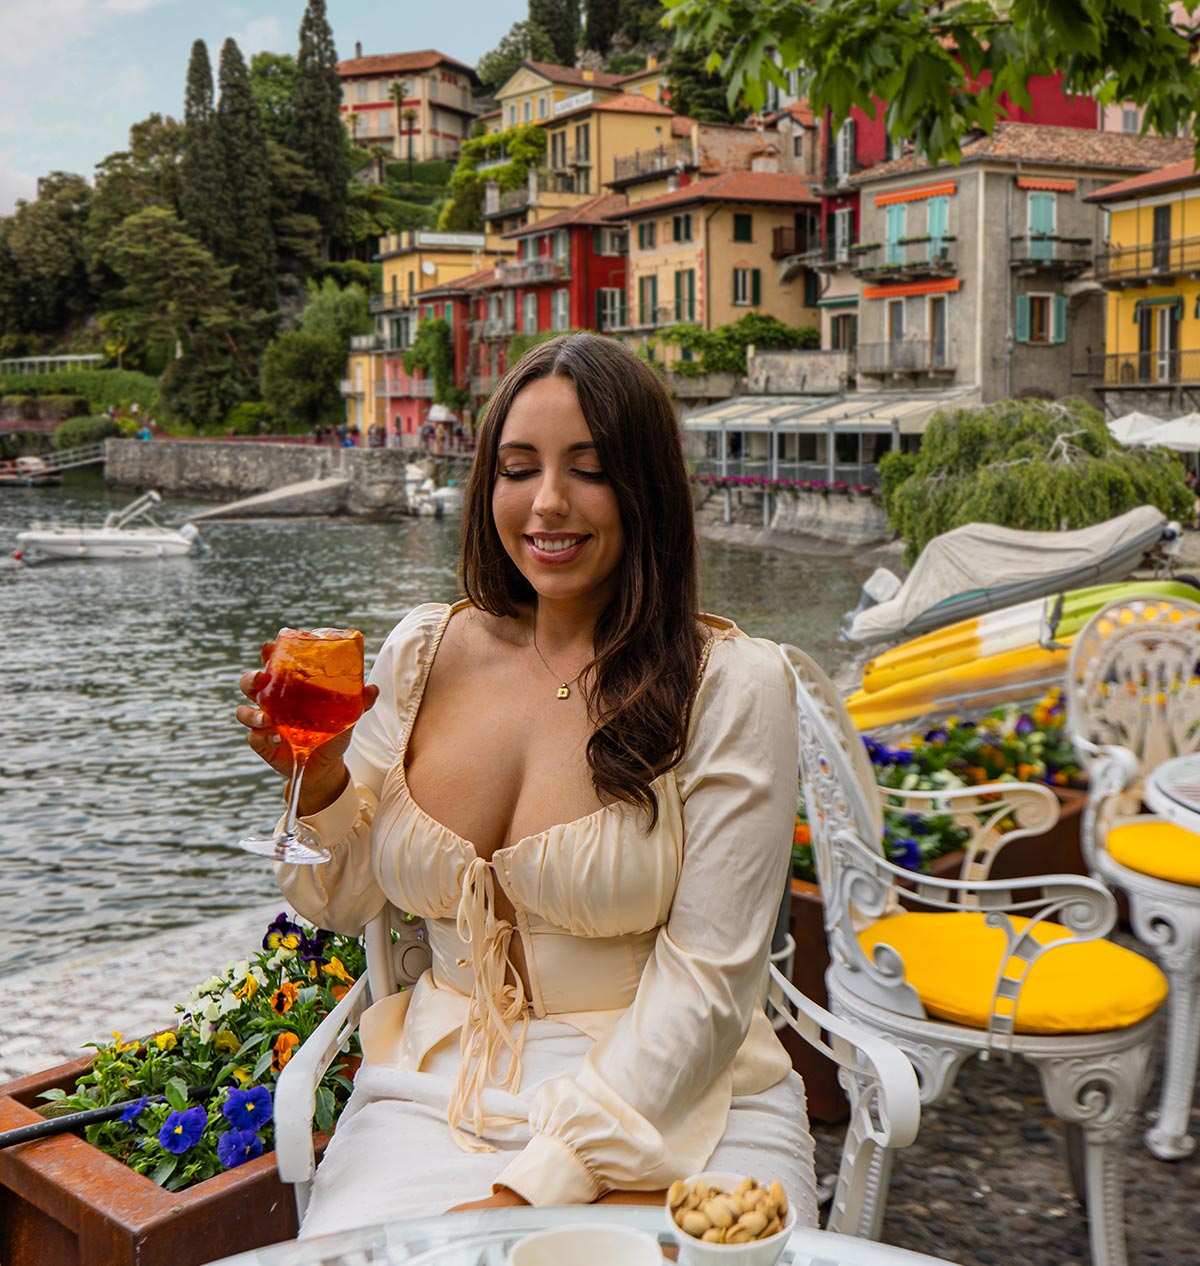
(131, 6)
(15, 184)
(259, 35)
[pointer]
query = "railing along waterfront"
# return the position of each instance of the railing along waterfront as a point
(820, 473)
(1163, 259)
(1147, 370)
(908, 356)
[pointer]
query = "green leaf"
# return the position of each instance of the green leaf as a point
(166, 1168)
(176, 1091)
(262, 1064)
(324, 1109)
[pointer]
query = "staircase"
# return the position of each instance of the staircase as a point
(69, 458)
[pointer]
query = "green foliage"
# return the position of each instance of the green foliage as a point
(560, 20)
(334, 313)
(272, 80)
(246, 418)
(205, 198)
(625, 63)
(300, 375)
(297, 230)
(697, 91)
(76, 431)
(723, 350)
(641, 23)
(352, 272)
(525, 146)
(928, 62)
(1028, 464)
(243, 141)
(433, 351)
(525, 41)
(894, 468)
(316, 132)
(101, 388)
(601, 21)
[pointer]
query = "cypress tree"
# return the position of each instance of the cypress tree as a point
(203, 191)
(560, 20)
(243, 139)
(601, 23)
(316, 131)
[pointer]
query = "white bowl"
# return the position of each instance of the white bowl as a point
(694, 1252)
(587, 1244)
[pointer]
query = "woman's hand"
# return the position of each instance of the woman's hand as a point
(503, 1199)
(325, 775)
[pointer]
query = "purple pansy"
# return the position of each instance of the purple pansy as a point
(907, 853)
(247, 1109)
(1025, 725)
(132, 1111)
(282, 927)
(182, 1130)
(236, 1147)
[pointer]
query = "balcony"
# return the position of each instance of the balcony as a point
(908, 259)
(389, 301)
(1064, 256)
(534, 271)
(1145, 371)
(365, 343)
(412, 389)
(350, 388)
(1155, 262)
(484, 384)
(786, 242)
(496, 329)
(499, 159)
(906, 358)
(644, 163)
(824, 257)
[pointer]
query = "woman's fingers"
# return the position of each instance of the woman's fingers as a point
(370, 694)
(251, 683)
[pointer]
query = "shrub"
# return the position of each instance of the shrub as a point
(246, 418)
(723, 350)
(101, 388)
(77, 431)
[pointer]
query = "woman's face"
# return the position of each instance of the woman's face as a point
(553, 508)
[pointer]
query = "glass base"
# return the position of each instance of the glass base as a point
(300, 848)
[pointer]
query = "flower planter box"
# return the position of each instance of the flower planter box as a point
(66, 1203)
(1057, 852)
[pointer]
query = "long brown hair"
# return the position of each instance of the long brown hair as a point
(648, 642)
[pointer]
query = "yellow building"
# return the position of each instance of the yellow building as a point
(536, 90)
(1150, 267)
(432, 114)
(584, 142)
(704, 253)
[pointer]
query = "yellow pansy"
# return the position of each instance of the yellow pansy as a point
(227, 1041)
(335, 969)
(242, 1074)
(248, 988)
(166, 1041)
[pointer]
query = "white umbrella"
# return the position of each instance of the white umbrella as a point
(1182, 435)
(1130, 428)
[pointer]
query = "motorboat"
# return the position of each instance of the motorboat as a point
(28, 472)
(128, 533)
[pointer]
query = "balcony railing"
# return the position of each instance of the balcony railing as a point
(827, 256)
(839, 472)
(649, 162)
(1146, 370)
(365, 342)
(493, 161)
(904, 260)
(1034, 251)
(786, 242)
(350, 388)
(483, 384)
(533, 270)
(412, 389)
(495, 328)
(1118, 265)
(906, 356)
(389, 301)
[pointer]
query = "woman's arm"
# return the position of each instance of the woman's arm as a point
(651, 1100)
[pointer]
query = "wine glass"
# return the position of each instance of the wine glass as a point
(312, 692)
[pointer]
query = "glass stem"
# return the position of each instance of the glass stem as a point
(299, 764)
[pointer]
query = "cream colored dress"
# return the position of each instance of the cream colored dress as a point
(645, 951)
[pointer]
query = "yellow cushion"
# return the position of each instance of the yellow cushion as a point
(1159, 849)
(951, 960)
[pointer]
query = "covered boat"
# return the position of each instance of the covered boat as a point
(981, 567)
(128, 533)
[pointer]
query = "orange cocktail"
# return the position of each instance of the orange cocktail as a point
(314, 685)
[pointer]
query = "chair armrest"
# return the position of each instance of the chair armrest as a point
(296, 1089)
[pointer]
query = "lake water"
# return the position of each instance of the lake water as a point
(124, 780)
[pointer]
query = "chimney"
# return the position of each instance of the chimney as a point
(652, 62)
(589, 75)
(358, 48)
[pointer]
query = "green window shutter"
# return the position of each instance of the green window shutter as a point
(599, 308)
(597, 245)
(1022, 330)
(735, 285)
(687, 225)
(755, 287)
(641, 301)
(743, 227)
(1058, 319)
(641, 237)
(678, 291)
(622, 308)
(653, 298)
(691, 294)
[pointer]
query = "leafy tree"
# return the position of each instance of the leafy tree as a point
(1029, 464)
(525, 146)
(336, 313)
(316, 132)
(297, 231)
(641, 23)
(204, 196)
(243, 138)
(697, 91)
(272, 79)
(300, 375)
(433, 351)
(560, 20)
(525, 41)
(601, 21)
(723, 350)
(928, 61)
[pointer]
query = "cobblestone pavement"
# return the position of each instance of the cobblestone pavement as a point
(985, 1184)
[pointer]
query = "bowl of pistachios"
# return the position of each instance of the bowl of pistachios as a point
(720, 1217)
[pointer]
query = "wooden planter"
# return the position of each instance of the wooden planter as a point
(1055, 853)
(66, 1203)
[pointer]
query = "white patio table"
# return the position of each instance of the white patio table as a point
(1172, 790)
(484, 1237)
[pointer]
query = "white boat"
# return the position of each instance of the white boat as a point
(128, 533)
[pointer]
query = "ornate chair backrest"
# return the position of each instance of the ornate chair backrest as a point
(1132, 681)
(395, 961)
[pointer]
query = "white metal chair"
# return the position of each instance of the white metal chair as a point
(1133, 701)
(879, 1081)
(979, 966)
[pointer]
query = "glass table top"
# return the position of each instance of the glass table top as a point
(484, 1238)
(1179, 779)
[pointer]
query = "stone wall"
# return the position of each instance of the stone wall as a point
(800, 373)
(840, 523)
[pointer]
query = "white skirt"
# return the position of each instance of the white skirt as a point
(392, 1155)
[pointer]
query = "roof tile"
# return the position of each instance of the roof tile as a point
(398, 63)
(733, 186)
(593, 212)
(1183, 173)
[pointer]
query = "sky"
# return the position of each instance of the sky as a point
(74, 74)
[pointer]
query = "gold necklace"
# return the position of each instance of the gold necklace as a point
(564, 687)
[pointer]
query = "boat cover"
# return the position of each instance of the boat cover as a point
(981, 567)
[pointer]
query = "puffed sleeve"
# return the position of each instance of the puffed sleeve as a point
(343, 893)
(651, 1100)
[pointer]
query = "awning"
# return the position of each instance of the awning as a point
(942, 189)
(1046, 185)
(842, 301)
(1163, 301)
(944, 286)
(853, 413)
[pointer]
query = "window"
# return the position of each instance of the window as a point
(681, 227)
(647, 300)
(797, 144)
(512, 115)
(542, 109)
(843, 157)
(937, 224)
(812, 288)
(527, 111)
(583, 145)
(1041, 318)
(529, 315)
(895, 321)
(843, 332)
(610, 309)
(743, 227)
(1131, 119)
(747, 287)
(1041, 225)
(897, 219)
(646, 233)
(510, 310)
(609, 242)
(685, 294)
(562, 247)
(558, 149)
(843, 229)
(433, 88)
(560, 310)
(384, 90)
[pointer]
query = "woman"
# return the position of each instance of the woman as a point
(588, 792)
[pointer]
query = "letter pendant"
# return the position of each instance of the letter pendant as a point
(564, 692)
